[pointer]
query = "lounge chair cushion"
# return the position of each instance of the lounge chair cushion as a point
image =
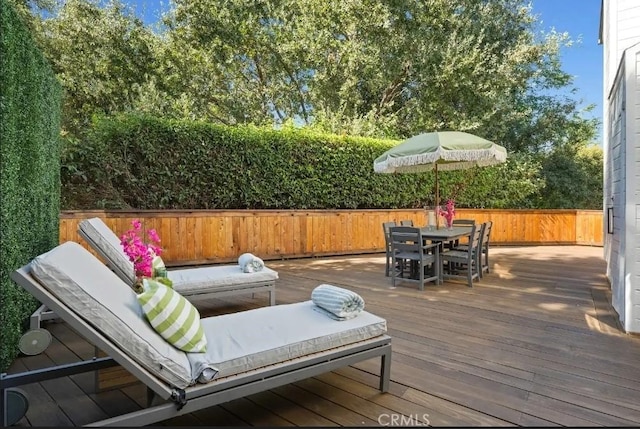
(202, 280)
(109, 242)
(239, 342)
(89, 288)
(187, 281)
(236, 342)
(172, 316)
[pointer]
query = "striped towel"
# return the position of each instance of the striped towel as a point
(336, 302)
(250, 263)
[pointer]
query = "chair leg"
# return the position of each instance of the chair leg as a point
(386, 270)
(393, 271)
(385, 371)
(486, 259)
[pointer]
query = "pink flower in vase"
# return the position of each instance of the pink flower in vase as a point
(448, 212)
(140, 253)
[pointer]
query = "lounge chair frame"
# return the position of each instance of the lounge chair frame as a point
(193, 398)
(230, 290)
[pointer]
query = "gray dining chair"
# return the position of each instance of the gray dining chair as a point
(483, 255)
(407, 222)
(463, 264)
(460, 222)
(424, 259)
(387, 245)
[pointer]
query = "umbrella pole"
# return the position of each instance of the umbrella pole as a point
(437, 198)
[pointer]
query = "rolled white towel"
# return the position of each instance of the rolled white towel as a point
(250, 263)
(336, 302)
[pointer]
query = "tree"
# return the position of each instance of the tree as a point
(391, 68)
(574, 178)
(101, 55)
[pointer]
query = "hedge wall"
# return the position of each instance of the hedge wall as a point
(150, 163)
(29, 169)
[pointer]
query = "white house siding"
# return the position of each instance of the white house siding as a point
(620, 31)
(615, 191)
(632, 56)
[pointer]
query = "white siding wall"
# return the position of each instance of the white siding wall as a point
(621, 144)
(633, 230)
(616, 191)
(621, 30)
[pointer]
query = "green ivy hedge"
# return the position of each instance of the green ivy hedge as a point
(151, 163)
(141, 162)
(29, 169)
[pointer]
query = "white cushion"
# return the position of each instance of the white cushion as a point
(247, 340)
(108, 242)
(237, 342)
(189, 281)
(93, 291)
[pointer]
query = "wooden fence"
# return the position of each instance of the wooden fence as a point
(215, 236)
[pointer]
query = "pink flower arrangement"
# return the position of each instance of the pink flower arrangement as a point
(140, 253)
(448, 212)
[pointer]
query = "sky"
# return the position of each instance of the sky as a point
(579, 18)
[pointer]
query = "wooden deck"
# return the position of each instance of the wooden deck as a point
(535, 343)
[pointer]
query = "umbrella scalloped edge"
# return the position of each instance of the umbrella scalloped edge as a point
(446, 160)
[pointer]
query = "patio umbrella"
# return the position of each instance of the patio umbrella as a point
(440, 150)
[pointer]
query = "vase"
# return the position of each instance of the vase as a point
(137, 284)
(449, 223)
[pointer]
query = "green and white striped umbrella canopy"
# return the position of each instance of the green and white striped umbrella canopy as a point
(440, 150)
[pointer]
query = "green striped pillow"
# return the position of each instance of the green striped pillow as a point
(172, 316)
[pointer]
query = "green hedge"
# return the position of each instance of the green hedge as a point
(141, 162)
(29, 169)
(151, 163)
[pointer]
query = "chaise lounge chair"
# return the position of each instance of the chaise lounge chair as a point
(248, 352)
(193, 283)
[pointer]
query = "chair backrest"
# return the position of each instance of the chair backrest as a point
(474, 239)
(80, 289)
(486, 234)
(406, 239)
(463, 222)
(407, 222)
(106, 243)
(387, 235)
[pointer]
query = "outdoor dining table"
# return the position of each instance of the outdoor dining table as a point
(444, 234)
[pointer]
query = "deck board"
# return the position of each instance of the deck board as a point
(534, 343)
